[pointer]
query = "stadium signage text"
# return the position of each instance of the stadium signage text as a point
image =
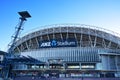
(55, 43)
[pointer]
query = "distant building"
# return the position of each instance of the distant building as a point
(1, 63)
(2, 55)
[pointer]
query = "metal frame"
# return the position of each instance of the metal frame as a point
(112, 39)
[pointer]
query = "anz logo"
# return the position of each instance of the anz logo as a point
(53, 43)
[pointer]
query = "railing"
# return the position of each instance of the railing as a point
(72, 25)
(82, 78)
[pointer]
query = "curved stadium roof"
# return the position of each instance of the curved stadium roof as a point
(72, 28)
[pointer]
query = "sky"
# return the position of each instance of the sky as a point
(101, 13)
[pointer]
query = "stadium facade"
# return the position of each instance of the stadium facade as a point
(68, 51)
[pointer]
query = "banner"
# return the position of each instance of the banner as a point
(58, 43)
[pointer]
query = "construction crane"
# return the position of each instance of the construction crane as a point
(23, 16)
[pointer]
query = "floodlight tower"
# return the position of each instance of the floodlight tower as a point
(23, 16)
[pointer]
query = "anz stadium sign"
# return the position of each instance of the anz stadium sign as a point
(55, 43)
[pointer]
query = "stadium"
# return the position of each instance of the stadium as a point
(67, 52)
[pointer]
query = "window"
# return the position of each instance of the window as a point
(73, 66)
(88, 66)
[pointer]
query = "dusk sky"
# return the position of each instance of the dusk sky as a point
(101, 13)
